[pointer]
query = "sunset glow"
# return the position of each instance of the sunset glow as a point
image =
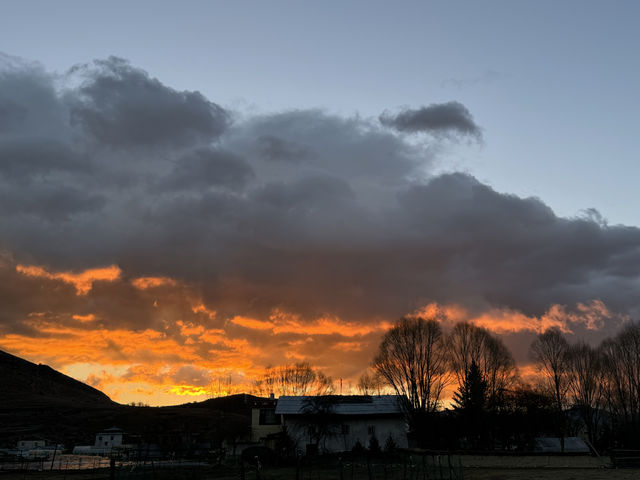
(187, 351)
(167, 245)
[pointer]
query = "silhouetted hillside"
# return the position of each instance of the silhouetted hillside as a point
(25, 384)
(37, 402)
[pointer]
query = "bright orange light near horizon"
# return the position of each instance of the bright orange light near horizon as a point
(189, 390)
(184, 348)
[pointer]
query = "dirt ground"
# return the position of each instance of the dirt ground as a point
(475, 468)
(483, 473)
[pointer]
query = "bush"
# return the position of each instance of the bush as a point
(374, 445)
(390, 445)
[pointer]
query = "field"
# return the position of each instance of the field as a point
(543, 468)
(474, 468)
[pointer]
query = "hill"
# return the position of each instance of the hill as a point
(26, 385)
(38, 402)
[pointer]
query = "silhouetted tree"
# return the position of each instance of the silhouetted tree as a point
(370, 384)
(412, 360)
(294, 379)
(472, 395)
(550, 351)
(374, 445)
(586, 384)
(469, 343)
(621, 374)
(470, 401)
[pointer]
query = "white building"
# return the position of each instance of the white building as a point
(106, 441)
(109, 438)
(31, 444)
(336, 423)
(264, 421)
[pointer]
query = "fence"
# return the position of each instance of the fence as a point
(399, 466)
(405, 466)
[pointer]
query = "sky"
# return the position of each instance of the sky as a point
(193, 191)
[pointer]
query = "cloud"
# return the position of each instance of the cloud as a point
(26, 159)
(204, 168)
(273, 148)
(437, 118)
(293, 235)
(122, 106)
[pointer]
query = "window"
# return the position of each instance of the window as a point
(268, 417)
(371, 430)
(346, 429)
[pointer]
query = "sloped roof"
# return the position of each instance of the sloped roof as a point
(343, 404)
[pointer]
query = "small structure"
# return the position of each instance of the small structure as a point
(25, 445)
(106, 442)
(264, 430)
(265, 423)
(36, 449)
(336, 423)
(109, 438)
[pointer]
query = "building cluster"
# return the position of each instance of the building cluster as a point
(320, 424)
(303, 425)
(331, 423)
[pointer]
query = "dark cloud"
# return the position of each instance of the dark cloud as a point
(50, 202)
(205, 168)
(276, 149)
(122, 106)
(22, 160)
(302, 211)
(308, 193)
(437, 118)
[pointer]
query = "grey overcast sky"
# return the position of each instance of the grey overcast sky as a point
(553, 84)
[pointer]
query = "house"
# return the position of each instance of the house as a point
(106, 442)
(109, 439)
(336, 423)
(30, 444)
(265, 423)
(264, 429)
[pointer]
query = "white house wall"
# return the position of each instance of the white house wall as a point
(358, 430)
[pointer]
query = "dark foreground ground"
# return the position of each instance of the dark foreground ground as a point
(473, 468)
(282, 474)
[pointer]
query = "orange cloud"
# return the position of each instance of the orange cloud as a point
(188, 328)
(348, 346)
(282, 322)
(591, 314)
(172, 351)
(144, 283)
(201, 308)
(83, 281)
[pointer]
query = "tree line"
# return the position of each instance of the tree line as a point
(582, 390)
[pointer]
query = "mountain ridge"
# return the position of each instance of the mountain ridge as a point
(38, 402)
(27, 384)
